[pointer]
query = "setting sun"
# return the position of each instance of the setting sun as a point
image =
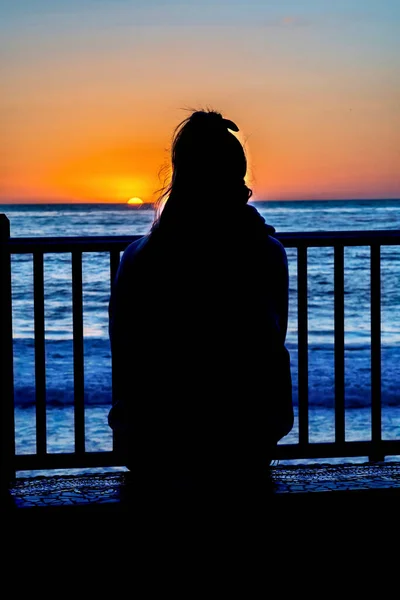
(135, 201)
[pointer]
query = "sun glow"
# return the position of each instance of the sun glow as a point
(135, 200)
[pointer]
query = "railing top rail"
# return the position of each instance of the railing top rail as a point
(341, 238)
(24, 245)
(386, 237)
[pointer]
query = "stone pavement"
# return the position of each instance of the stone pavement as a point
(294, 482)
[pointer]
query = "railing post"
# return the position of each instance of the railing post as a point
(339, 343)
(376, 455)
(302, 333)
(7, 445)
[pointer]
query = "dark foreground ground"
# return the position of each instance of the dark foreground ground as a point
(320, 495)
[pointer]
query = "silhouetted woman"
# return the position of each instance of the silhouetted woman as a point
(198, 321)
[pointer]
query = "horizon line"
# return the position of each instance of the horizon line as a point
(147, 204)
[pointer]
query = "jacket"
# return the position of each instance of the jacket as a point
(198, 320)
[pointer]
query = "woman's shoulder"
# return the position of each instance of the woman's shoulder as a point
(276, 246)
(266, 233)
(134, 250)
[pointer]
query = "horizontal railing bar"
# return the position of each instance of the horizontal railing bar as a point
(67, 460)
(24, 245)
(67, 244)
(387, 237)
(283, 452)
(337, 450)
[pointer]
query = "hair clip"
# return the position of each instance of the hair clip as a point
(230, 125)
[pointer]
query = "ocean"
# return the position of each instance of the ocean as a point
(43, 220)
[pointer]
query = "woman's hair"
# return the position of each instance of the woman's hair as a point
(207, 161)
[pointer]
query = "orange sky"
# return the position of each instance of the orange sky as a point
(90, 95)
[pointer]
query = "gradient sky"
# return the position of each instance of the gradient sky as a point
(92, 89)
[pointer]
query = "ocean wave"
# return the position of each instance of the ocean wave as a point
(97, 373)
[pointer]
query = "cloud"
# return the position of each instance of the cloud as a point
(292, 21)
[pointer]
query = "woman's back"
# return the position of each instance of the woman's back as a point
(198, 323)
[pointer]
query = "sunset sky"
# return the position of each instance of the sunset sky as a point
(92, 89)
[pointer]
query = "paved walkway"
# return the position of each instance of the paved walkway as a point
(315, 480)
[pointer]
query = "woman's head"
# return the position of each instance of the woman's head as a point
(206, 160)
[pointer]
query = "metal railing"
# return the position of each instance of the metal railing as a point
(375, 449)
